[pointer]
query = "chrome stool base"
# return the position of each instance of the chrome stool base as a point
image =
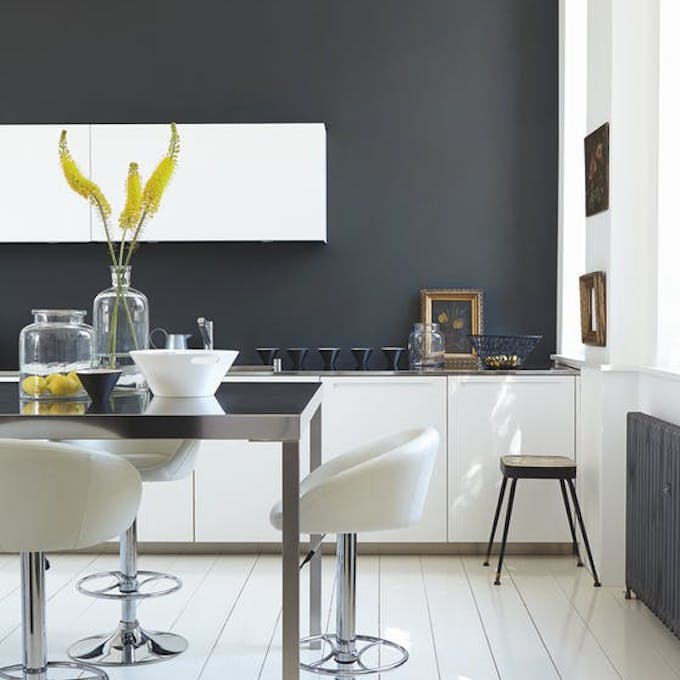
(83, 671)
(128, 645)
(326, 662)
(144, 587)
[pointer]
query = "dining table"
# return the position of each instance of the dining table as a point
(257, 412)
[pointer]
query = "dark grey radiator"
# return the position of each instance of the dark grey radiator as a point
(653, 516)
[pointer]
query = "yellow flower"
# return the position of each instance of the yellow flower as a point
(78, 182)
(157, 183)
(129, 218)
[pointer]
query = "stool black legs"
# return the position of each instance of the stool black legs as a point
(579, 517)
(508, 514)
(572, 528)
(501, 495)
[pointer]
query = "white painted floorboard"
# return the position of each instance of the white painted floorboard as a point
(545, 622)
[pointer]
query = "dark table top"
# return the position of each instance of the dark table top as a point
(255, 411)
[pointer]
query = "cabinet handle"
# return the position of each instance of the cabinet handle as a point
(381, 383)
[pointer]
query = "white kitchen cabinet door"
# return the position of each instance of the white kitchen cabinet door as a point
(238, 482)
(234, 182)
(357, 410)
(494, 416)
(166, 513)
(37, 203)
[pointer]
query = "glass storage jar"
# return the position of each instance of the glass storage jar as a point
(51, 349)
(121, 320)
(426, 346)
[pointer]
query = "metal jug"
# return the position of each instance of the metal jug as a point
(172, 340)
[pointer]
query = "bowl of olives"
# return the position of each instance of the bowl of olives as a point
(503, 352)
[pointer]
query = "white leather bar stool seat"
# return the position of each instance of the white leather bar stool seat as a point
(55, 497)
(376, 487)
(156, 460)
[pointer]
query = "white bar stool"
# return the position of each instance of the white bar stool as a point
(55, 497)
(380, 486)
(156, 460)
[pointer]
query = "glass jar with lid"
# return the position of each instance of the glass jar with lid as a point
(51, 349)
(426, 346)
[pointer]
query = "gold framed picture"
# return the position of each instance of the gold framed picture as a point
(459, 313)
(593, 297)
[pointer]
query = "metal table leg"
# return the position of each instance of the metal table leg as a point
(315, 564)
(290, 464)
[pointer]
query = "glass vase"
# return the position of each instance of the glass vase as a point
(426, 346)
(121, 322)
(51, 349)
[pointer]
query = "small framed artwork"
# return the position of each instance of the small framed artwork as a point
(459, 313)
(593, 309)
(597, 170)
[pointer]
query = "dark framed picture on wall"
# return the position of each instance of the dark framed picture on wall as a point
(593, 297)
(597, 170)
(459, 313)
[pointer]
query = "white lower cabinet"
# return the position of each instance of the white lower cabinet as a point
(166, 513)
(479, 418)
(359, 409)
(492, 416)
(237, 482)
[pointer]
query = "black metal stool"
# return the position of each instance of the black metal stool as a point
(539, 467)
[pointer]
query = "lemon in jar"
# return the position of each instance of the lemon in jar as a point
(61, 386)
(33, 385)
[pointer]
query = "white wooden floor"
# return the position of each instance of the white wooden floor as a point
(546, 621)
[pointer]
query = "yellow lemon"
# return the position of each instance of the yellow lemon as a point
(33, 385)
(51, 377)
(74, 377)
(60, 386)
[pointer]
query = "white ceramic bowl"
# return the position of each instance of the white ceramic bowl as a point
(184, 372)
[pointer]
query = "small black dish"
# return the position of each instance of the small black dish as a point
(329, 356)
(361, 355)
(393, 355)
(99, 383)
(267, 354)
(298, 356)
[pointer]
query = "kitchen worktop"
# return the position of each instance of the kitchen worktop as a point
(267, 371)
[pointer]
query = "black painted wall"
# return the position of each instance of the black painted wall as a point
(442, 156)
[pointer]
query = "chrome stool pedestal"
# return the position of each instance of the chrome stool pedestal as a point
(35, 665)
(346, 654)
(129, 644)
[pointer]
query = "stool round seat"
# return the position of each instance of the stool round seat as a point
(382, 485)
(156, 460)
(57, 497)
(538, 467)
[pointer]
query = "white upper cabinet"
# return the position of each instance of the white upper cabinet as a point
(234, 182)
(37, 203)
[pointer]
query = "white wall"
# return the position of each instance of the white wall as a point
(622, 89)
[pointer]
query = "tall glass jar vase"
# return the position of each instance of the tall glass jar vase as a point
(121, 321)
(426, 346)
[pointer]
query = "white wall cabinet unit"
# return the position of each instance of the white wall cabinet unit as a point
(37, 203)
(492, 416)
(237, 482)
(166, 513)
(234, 182)
(359, 409)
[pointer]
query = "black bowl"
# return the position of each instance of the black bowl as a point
(267, 354)
(99, 382)
(298, 356)
(393, 355)
(361, 356)
(329, 356)
(503, 351)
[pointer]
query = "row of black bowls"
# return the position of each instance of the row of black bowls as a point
(330, 355)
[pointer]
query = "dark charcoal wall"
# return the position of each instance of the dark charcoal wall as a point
(442, 156)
